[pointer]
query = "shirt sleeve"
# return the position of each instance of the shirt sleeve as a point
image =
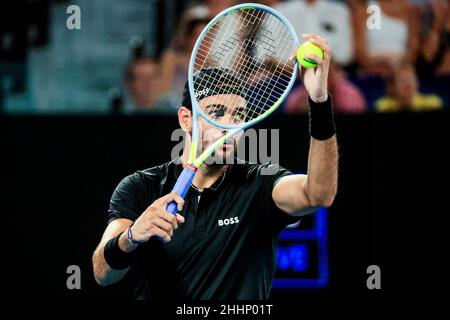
(127, 200)
(275, 217)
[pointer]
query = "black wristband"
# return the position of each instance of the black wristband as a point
(321, 119)
(115, 257)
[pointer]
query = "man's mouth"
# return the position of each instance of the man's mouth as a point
(229, 143)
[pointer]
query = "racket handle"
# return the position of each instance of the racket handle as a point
(182, 186)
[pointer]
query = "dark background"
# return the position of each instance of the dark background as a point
(392, 209)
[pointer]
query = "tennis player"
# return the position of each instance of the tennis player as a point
(222, 243)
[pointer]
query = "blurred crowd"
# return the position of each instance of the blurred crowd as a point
(399, 62)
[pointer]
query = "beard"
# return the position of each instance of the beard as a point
(223, 155)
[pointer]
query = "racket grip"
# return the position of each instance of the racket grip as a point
(182, 186)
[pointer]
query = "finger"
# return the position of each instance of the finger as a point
(325, 47)
(164, 225)
(178, 199)
(318, 40)
(175, 197)
(293, 55)
(316, 37)
(180, 218)
(162, 234)
(168, 217)
(164, 201)
(302, 70)
(321, 44)
(314, 57)
(306, 72)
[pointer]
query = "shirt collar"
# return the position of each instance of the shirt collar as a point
(214, 187)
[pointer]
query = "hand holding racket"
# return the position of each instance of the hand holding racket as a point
(242, 58)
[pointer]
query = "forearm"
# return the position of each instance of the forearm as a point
(103, 273)
(301, 194)
(321, 182)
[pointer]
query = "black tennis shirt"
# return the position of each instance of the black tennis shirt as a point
(226, 249)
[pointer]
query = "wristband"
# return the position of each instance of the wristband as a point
(321, 119)
(115, 257)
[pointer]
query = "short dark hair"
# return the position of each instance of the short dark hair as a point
(225, 82)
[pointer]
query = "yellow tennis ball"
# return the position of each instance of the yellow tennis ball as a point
(308, 48)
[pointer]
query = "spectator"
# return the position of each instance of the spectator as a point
(346, 97)
(215, 6)
(402, 88)
(434, 56)
(329, 19)
(143, 89)
(175, 60)
(379, 50)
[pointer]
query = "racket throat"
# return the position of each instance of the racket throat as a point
(191, 167)
(193, 152)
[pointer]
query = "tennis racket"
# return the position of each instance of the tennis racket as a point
(243, 53)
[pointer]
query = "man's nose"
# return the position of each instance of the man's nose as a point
(224, 132)
(227, 119)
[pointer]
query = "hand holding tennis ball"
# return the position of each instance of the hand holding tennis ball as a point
(305, 54)
(315, 58)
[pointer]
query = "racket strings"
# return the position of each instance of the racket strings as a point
(246, 64)
(270, 93)
(254, 46)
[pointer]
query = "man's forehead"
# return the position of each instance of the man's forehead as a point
(225, 99)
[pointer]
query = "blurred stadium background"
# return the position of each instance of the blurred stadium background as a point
(79, 110)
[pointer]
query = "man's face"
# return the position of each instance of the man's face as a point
(227, 109)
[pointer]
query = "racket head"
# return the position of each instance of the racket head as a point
(252, 44)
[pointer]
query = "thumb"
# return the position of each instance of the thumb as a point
(173, 196)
